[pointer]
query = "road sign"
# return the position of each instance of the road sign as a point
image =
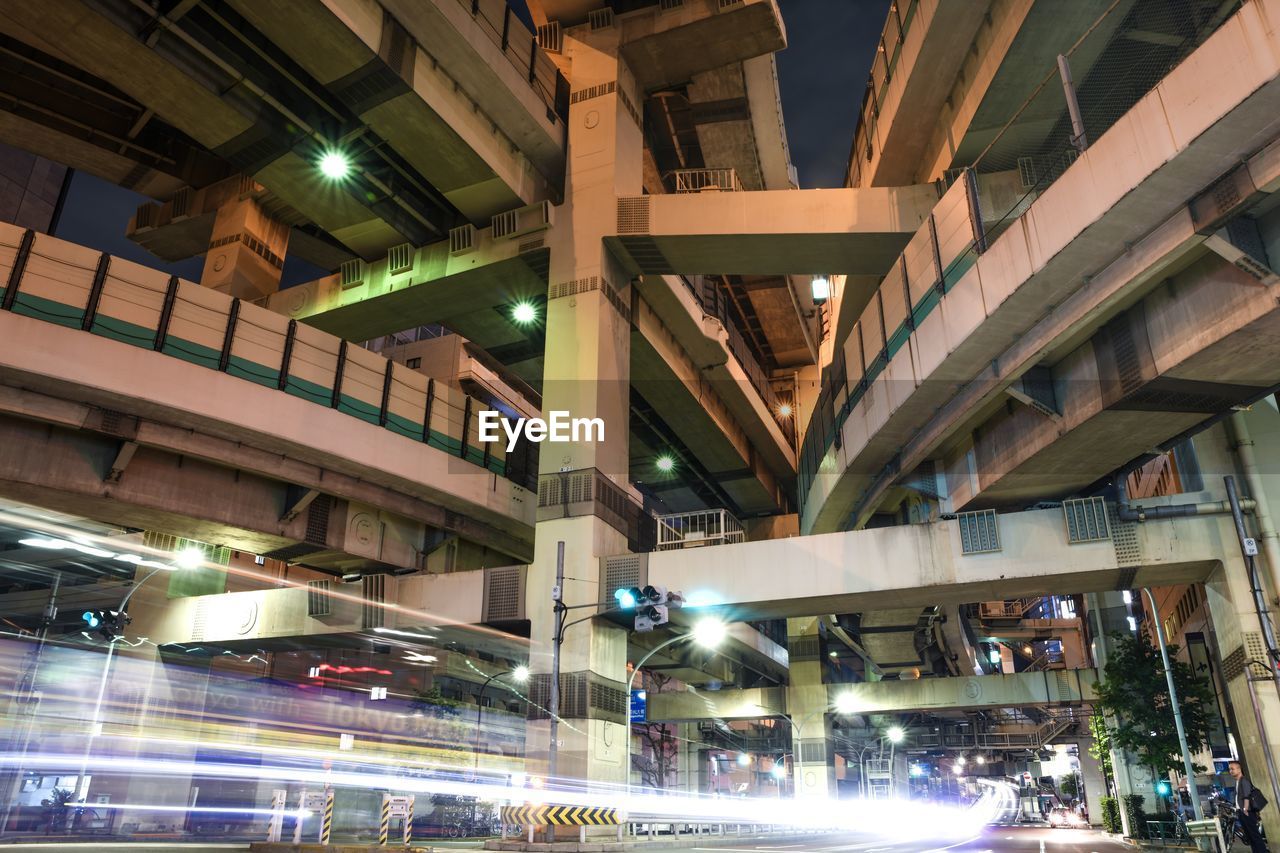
(559, 816)
(639, 705)
(1208, 828)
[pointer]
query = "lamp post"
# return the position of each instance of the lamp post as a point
(708, 633)
(188, 558)
(1187, 764)
(894, 736)
(520, 674)
(846, 703)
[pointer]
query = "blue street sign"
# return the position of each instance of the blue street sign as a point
(639, 705)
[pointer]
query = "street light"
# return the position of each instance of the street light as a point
(894, 735)
(524, 313)
(707, 633)
(189, 557)
(334, 165)
(520, 675)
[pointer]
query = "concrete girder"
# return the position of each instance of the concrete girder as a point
(705, 341)
(185, 410)
(924, 565)
(418, 604)
(854, 231)
(441, 284)
(1023, 689)
(1121, 229)
(668, 47)
(690, 405)
(1189, 369)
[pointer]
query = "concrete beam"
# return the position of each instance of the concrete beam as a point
(854, 231)
(925, 565)
(1020, 690)
(492, 273)
(191, 411)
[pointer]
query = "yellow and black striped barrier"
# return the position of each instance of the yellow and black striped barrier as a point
(384, 827)
(559, 816)
(326, 822)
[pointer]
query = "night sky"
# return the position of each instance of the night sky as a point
(822, 72)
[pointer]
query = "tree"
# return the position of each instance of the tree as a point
(1069, 787)
(658, 761)
(1100, 747)
(1135, 692)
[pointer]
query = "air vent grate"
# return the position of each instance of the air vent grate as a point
(551, 37)
(462, 239)
(622, 571)
(502, 593)
(1086, 520)
(813, 751)
(352, 272)
(633, 215)
(318, 521)
(979, 532)
(400, 259)
(319, 600)
(601, 19)
(373, 589)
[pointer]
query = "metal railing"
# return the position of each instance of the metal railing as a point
(697, 529)
(520, 46)
(883, 67)
(706, 180)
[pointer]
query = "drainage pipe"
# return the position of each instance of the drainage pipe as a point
(1132, 512)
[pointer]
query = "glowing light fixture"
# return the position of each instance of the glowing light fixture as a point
(981, 759)
(520, 674)
(709, 633)
(846, 703)
(785, 410)
(779, 770)
(896, 734)
(666, 464)
(743, 759)
(821, 289)
(189, 557)
(524, 313)
(334, 165)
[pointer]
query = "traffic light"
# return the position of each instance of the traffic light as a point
(627, 598)
(1162, 788)
(107, 624)
(653, 606)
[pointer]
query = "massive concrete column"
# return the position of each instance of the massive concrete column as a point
(585, 499)
(1095, 787)
(246, 250)
(1108, 614)
(1252, 690)
(807, 704)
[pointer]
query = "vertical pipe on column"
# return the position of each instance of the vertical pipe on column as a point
(1078, 138)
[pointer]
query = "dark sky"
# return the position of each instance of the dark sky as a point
(822, 73)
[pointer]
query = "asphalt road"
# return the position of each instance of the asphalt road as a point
(993, 839)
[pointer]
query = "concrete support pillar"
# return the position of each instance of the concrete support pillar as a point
(246, 251)
(1253, 692)
(1108, 614)
(807, 704)
(585, 497)
(1095, 787)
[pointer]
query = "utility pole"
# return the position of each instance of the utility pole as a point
(553, 706)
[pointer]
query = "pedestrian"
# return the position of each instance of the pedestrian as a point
(1249, 801)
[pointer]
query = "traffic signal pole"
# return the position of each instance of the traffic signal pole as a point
(553, 709)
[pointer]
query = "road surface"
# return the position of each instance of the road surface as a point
(993, 839)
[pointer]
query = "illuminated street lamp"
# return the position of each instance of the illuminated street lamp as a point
(665, 464)
(821, 289)
(524, 313)
(707, 633)
(520, 675)
(334, 165)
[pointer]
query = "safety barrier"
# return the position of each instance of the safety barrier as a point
(396, 806)
(309, 803)
(77, 287)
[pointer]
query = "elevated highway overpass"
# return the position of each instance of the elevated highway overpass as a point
(943, 344)
(128, 394)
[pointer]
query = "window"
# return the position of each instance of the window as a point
(413, 363)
